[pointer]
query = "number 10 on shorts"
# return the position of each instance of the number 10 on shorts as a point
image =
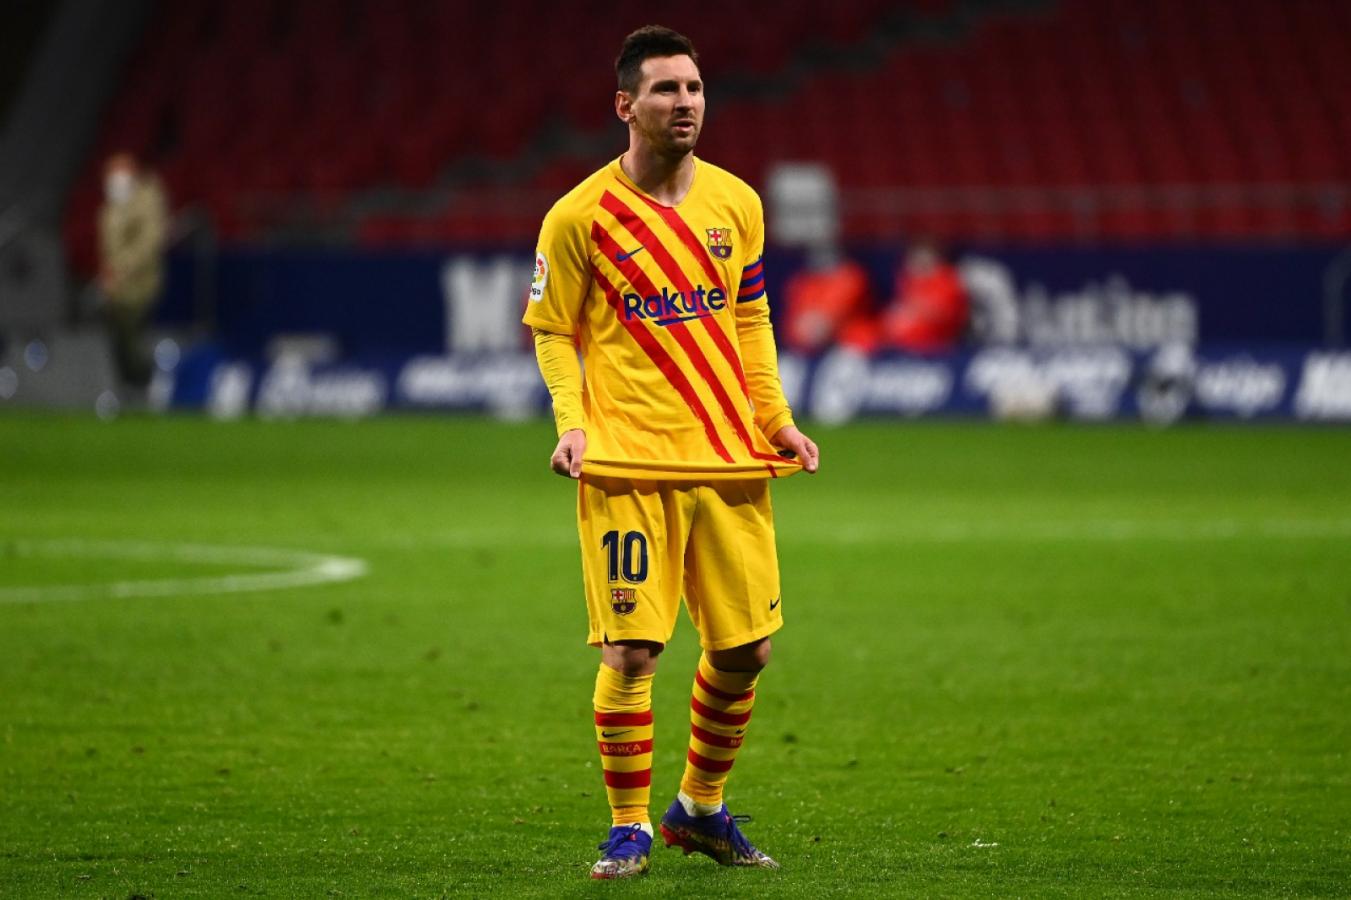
(626, 555)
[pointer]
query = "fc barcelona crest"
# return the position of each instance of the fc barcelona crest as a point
(720, 242)
(623, 600)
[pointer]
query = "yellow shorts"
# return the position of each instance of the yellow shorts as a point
(645, 544)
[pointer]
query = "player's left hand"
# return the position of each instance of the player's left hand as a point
(789, 438)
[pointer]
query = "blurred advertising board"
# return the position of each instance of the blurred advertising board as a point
(1088, 384)
(1074, 332)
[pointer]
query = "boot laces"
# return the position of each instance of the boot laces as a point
(621, 841)
(739, 841)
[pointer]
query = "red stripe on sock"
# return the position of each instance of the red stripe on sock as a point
(714, 715)
(700, 680)
(640, 779)
(611, 720)
(715, 740)
(709, 765)
(624, 748)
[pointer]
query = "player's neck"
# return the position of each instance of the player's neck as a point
(667, 180)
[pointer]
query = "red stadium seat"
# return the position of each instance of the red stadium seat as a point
(307, 99)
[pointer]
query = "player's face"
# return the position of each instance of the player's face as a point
(668, 109)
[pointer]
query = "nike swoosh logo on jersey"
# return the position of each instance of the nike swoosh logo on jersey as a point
(678, 319)
(774, 604)
(611, 734)
(622, 256)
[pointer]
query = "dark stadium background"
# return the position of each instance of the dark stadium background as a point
(356, 178)
(1068, 601)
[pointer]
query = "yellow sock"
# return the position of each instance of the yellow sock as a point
(719, 711)
(624, 734)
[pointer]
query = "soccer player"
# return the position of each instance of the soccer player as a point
(651, 269)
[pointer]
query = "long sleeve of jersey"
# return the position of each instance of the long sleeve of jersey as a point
(760, 360)
(562, 373)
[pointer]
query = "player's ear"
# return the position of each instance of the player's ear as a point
(624, 106)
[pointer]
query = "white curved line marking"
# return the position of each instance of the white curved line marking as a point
(298, 568)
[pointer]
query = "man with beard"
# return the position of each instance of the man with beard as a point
(651, 267)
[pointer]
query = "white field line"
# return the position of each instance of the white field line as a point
(947, 532)
(288, 569)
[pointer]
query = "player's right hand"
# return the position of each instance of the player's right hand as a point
(567, 458)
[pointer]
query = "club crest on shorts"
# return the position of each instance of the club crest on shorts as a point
(623, 600)
(719, 242)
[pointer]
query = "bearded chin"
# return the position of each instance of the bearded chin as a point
(671, 146)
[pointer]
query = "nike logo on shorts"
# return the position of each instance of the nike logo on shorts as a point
(611, 734)
(774, 604)
(622, 256)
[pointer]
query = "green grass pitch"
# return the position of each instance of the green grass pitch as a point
(1049, 661)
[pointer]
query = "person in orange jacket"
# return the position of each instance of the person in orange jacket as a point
(930, 311)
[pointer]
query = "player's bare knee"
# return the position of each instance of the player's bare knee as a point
(762, 653)
(632, 658)
(747, 658)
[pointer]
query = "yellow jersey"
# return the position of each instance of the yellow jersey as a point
(668, 309)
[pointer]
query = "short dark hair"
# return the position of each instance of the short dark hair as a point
(645, 43)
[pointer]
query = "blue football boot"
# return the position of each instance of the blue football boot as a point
(625, 853)
(716, 836)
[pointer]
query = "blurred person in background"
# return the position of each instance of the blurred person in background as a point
(132, 223)
(930, 311)
(828, 302)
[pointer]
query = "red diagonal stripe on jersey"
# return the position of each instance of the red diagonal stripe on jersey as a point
(658, 354)
(703, 682)
(700, 252)
(709, 765)
(613, 720)
(714, 715)
(671, 269)
(716, 740)
(638, 228)
(682, 231)
(641, 778)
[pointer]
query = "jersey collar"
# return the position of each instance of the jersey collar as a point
(618, 171)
